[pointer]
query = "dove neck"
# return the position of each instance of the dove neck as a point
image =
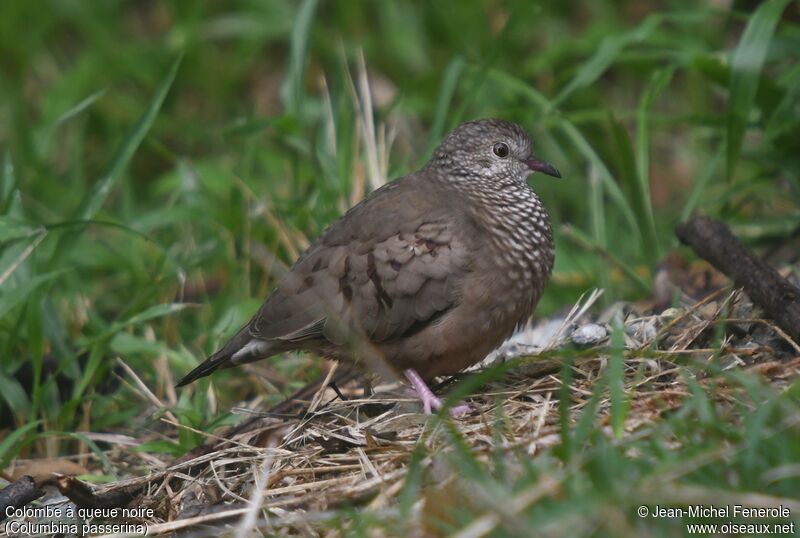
(516, 222)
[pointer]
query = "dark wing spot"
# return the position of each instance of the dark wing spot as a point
(372, 273)
(344, 285)
(347, 291)
(421, 324)
(317, 265)
(307, 283)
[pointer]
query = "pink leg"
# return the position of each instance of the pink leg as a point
(429, 399)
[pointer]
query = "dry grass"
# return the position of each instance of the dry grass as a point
(301, 471)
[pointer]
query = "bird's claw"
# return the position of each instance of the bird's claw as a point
(431, 402)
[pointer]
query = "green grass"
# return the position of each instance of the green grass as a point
(596, 486)
(159, 160)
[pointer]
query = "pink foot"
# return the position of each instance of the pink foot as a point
(429, 400)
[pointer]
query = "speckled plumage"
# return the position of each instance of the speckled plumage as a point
(432, 271)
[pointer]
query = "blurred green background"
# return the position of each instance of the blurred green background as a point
(159, 158)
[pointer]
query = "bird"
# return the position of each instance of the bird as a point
(425, 276)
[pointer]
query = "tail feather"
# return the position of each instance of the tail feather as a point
(222, 358)
(204, 369)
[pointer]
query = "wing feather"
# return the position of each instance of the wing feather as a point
(397, 263)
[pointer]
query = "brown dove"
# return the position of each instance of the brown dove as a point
(425, 276)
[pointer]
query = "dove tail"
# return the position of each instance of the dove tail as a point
(240, 349)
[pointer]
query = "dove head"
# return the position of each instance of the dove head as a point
(489, 149)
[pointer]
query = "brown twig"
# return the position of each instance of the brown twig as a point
(84, 497)
(713, 241)
(18, 493)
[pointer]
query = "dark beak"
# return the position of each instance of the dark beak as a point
(537, 165)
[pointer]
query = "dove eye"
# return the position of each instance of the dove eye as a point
(501, 149)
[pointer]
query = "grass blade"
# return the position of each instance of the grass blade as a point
(10, 299)
(658, 82)
(92, 202)
(413, 481)
(13, 229)
(616, 376)
(608, 51)
(292, 87)
(637, 191)
(6, 454)
(700, 186)
(15, 397)
(586, 423)
(452, 74)
(97, 353)
(748, 59)
(564, 403)
(155, 311)
(585, 242)
(598, 223)
(7, 183)
(78, 108)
